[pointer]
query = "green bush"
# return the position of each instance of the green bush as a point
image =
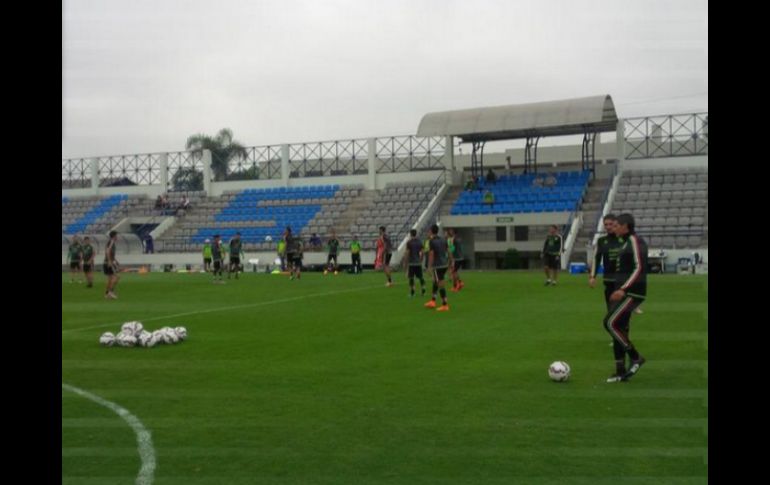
(511, 260)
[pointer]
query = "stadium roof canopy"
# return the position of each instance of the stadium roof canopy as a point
(551, 118)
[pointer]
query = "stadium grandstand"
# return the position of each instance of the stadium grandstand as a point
(654, 167)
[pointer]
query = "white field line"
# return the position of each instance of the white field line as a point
(226, 308)
(143, 437)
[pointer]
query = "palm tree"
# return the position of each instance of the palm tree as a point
(223, 149)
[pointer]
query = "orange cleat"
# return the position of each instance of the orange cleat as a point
(443, 308)
(431, 304)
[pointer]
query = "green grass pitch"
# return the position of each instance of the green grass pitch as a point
(339, 380)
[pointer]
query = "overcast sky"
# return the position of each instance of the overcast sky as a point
(142, 75)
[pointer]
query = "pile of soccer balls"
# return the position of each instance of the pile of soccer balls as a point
(133, 334)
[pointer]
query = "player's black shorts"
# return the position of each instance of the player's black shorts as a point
(206, 260)
(217, 264)
(609, 289)
(458, 264)
(86, 268)
(235, 260)
(330, 257)
(415, 272)
(552, 261)
(75, 265)
(108, 269)
(297, 261)
(439, 273)
(387, 258)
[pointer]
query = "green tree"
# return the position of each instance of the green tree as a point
(187, 178)
(223, 149)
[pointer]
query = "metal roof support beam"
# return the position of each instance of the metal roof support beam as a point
(530, 154)
(477, 159)
(588, 158)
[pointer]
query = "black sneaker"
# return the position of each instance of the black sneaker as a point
(635, 366)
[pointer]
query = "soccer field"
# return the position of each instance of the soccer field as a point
(340, 380)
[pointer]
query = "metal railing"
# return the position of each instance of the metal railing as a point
(666, 136)
(76, 173)
(260, 163)
(121, 170)
(426, 197)
(328, 158)
(409, 153)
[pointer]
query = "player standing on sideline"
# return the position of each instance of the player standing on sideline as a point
(439, 261)
(236, 250)
(75, 254)
(630, 290)
(207, 255)
(355, 254)
(413, 262)
(88, 261)
(296, 263)
(384, 253)
(456, 249)
(282, 252)
(111, 267)
(607, 248)
(288, 238)
(334, 246)
(552, 250)
(217, 255)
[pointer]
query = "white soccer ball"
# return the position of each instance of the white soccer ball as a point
(107, 339)
(133, 327)
(157, 336)
(268, 238)
(145, 339)
(181, 332)
(126, 339)
(169, 335)
(559, 371)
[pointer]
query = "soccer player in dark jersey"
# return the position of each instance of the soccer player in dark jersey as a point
(288, 238)
(236, 249)
(552, 250)
(456, 248)
(111, 267)
(293, 253)
(385, 253)
(88, 261)
(630, 290)
(607, 248)
(217, 256)
(75, 255)
(413, 262)
(299, 248)
(334, 245)
(606, 254)
(439, 261)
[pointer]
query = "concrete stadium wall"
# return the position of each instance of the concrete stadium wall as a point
(659, 163)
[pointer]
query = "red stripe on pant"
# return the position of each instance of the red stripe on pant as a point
(617, 332)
